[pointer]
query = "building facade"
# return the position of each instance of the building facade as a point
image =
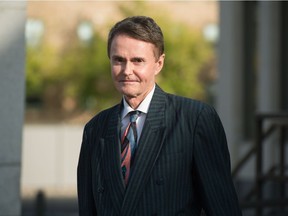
(12, 61)
(252, 96)
(253, 79)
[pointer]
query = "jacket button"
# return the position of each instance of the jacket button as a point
(100, 189)
(160, 181)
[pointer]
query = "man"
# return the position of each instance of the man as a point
(170, 158)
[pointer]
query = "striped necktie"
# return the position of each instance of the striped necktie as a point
(129, 145)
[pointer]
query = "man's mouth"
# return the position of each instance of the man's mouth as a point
(128, 81)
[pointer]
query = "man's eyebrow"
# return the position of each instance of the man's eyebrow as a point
(137, 59)
(117, 57)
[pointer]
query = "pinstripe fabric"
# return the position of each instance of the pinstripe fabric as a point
(182, 163)
(129, 145)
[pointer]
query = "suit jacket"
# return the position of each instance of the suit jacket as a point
(182, 164)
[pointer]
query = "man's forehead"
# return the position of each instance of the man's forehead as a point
(122, 43)
(127, 37)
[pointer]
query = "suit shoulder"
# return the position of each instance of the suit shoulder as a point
(191, 108)
(100, 117)
(180, 102)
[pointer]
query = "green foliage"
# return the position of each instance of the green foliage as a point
(81, 71)
(88, 72)
(186, 54)
(40, 61)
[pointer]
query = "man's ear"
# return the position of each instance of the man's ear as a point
(160, 64)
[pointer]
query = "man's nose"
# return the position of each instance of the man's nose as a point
(127, 68)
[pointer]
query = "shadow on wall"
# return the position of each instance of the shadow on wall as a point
(41, 205)
(49, 159)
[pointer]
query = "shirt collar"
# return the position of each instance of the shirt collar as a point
(143, 107)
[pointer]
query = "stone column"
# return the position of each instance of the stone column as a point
(269, 57)
(230, 81)
(12, 85)
(269, 72)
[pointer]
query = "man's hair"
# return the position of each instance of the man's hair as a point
(141, 28)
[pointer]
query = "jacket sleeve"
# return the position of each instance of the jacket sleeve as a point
(84, 180)
(212, 166)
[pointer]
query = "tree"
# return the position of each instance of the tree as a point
(80, 72)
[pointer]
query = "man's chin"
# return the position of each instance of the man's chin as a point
(129, 95)
(127, 92)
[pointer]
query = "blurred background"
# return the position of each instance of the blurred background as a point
(55, 75)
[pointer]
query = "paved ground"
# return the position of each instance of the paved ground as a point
(68, 207)
(50, 207)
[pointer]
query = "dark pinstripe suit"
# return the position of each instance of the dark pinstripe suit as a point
(182, 163)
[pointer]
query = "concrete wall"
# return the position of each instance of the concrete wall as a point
(50, 157)
(12, 61)
(231, 82)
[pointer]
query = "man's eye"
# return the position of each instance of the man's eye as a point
(138, 60)
(118, 60)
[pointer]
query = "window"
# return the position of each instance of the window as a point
(85, 31)
(211, 33)
(34, 32)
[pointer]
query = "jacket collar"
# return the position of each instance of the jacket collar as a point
(149, 147)
(124, 197)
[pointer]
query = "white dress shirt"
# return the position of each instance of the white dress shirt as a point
(143, 108)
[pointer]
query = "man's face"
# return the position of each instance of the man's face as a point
(134, 67)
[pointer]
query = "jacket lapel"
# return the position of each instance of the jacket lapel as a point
(111, 160)
(149, 147)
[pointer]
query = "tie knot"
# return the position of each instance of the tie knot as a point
(134, 115)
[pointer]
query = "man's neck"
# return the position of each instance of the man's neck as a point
(134, 102)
